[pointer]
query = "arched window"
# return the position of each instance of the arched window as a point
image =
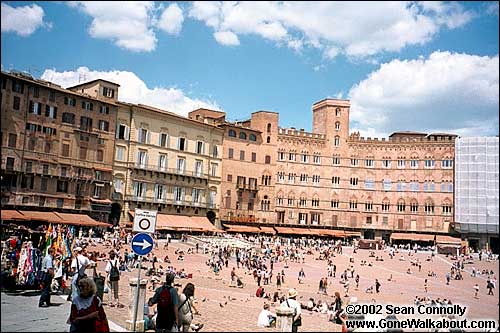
(252, 137)
(268, 159)
(243, 135)
(232, 133)
(337, 141)
(268, 139)
(268, 128)
(337, 125)
(337, 112)
(401, 205)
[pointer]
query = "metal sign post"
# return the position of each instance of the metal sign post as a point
(136, 303)
(142, 244)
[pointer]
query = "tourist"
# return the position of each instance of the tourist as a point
(87, 314)
(489, 286)
(425, 286)
(186, 307)
(78, 266)
(476, 290)
(302, 276)
(357, 281)
(113, 274)
(278, 280)
(377, 286)
(167, 299)
(266, 317)
(292, 303)
(47, 275)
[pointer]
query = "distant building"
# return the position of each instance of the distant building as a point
(477, 191)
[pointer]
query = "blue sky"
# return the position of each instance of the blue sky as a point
(421, 66)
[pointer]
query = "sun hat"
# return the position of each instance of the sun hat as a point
(292, 293)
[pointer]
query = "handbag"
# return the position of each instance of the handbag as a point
(298, 321)
(102, 325)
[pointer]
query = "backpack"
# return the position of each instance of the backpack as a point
(166, 315)
(114, 273)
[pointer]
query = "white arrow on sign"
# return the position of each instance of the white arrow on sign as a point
(145, 244)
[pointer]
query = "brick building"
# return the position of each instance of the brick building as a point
(57, 145)
(333, 179)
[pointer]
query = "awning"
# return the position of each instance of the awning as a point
(242, 228)
(442, 239)
(294, 231)
(267, 230)
(333, 233)
(81, 219)
(184, 223)
(412, 237)
(41, 216)
(352, 234)
(11, 215)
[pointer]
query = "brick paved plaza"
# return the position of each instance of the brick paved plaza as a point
(236, 309)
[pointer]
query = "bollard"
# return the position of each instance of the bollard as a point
(140, 309)
(284, 319)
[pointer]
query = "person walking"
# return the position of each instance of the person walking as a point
(87, 314)
(357, 281)
(489, 286)
(48, 274)
(168, 301)
(186, 307)
(113, 278)
(278, 280)
(425, 286)
(476, 290)
(377, 286)
(291, 302)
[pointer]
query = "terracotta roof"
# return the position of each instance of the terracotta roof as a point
(41, 216)
(412, 236)
(241, 228)
(81, 219)
(267, 230)
(330, 232)
(12, 215)
(442, 239)
(294, 231)
(352, 234)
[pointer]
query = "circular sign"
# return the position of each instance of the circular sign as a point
(144, 224)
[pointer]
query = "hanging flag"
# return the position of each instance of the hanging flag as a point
(48, 239)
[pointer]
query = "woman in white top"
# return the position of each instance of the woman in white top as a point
(187, 309)
(266, 317)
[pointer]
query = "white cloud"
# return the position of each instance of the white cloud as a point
(23, 20)
(356, 29)
(171, 20)
(129, 24)
(492, 8)
(226, 38)
(133, 89)
(448, 92)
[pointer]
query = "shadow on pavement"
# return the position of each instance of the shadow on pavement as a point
(26, 293)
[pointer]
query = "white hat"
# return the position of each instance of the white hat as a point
(292, 293)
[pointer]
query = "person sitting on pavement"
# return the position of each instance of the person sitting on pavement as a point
(266, 317)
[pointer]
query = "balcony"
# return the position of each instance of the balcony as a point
(247, 187)
(171, 171)
(165, 201)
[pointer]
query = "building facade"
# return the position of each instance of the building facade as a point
(330, 178)
(477, 191)
(57, 145)
(167, 163)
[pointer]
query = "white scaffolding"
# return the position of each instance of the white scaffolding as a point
(477, 184)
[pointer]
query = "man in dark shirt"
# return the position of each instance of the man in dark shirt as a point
(168, 312)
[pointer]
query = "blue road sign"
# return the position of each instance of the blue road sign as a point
(142, 244)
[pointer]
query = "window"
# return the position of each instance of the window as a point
(32, 144)
(414, 186)
(336, 180)
(198, 168)
(252, 137)
(35, 108)
(401, 186)
(446, 209)
(182, 144)
(334, 203)
(162, 162)
(337, 112)
(83, 153)
(281, 177)
(108, 92)
(368, 206)
(401, 164)
(16, 103)
(387, 184)
(100, 155)
(447, 164)
(265, 204)
(120, 153)
(386, 206)
(181, 165)
(413, 207)
(290, 201)
(243, 135)
(337, 126)
(302, 218)
(118, 185)
(52, 95)
(353, 204)
(28, 167)
(429, 164)
(122, 132)
(242, 155)
(291, 178)
(213, 169)
(401, 206)
(87, 106)
(17, 87)
(215, 151)
(196, 195)
(354, 162)
(353, 181)
(336, 160)
(315, 179)
(142, 159)
(281, 156)
(303, 178)
(104, 125)
(429, 208)
(10, 163)
(43, 184)
(143, 135)
(200, 148)
(229, 178)
(302, 202)
(315, 202)
(414, 164)
(230, 153)
(104, 109)
(97, 190)
(369, 184)
(386, 163)
(266, 180)
(36, 91)
(65, 150)
(369, 163)
(291, 156)
(62, 186)
(279, 201)
(268, 140)
(317, 159)
(232, 133)
(337, 141)
(49, 130)
(254, 157)
(304, 158)
(139, 189)
(85, 124)
(268, 159)
(50, 111)
(179, 193)
(268, 128)
(12, 140)
(68, 101)
(68, 118)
